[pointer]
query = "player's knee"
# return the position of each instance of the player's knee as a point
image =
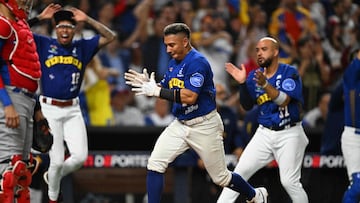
(290, 185)
(222, 179)
(157, 166)
(82, 158)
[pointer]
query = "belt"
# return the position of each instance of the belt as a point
(278, 128)
(199, 119)
(59, 103)
(22, 91)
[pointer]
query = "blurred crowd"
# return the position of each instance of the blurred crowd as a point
(316, 36)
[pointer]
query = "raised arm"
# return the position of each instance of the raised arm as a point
(47, 13)
(107, 35)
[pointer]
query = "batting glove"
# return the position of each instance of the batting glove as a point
(149, 88)
(133, 77)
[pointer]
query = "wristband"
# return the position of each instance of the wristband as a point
(171, 95)
(33, 21)
(281, 98)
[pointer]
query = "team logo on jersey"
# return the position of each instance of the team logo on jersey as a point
(289, 84)
(53, 49)
(74, 52)
(180, 74)
(197, 80)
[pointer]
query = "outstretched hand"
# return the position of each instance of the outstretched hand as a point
(49, 11)
(133, 77)
(148, 88)
(239, 74)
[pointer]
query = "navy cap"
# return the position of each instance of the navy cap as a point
(64, 15)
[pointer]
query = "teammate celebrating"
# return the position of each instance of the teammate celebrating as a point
(350, 138)
(277, 90)
(19, 75)
(188, 83)
(63, 63)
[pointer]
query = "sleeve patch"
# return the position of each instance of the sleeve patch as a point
(288, 84)
(197, 80)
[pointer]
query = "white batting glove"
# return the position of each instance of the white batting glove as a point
(149, 88)
(133, 77)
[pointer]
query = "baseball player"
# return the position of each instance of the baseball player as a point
(350, 138)
(63, 61)
(188, 83)
(277, 91)
(19, 75)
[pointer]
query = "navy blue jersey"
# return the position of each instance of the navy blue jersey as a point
(193, 73)
(64, 67)
(285, 79)
(351, 82)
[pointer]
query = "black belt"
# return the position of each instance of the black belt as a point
(23, 91)
(278, 128)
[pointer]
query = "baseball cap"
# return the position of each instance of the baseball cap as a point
(64, 15)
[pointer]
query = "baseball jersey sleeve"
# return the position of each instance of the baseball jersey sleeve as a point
(351, 87)
(5, 33)
(292, 84)
(196, 74)
(4, 96)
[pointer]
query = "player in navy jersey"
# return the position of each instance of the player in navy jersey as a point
(350, 138)
(188, 83)
(63, 62)
(277, 91)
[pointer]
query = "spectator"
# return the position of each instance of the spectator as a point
(313, 69)
(115, 57)
(250, 34)
(334, 48)
(216, 45)
(124, 113)
(154, 54)
(316, 117)
(161, 116)
(289, 22)
(98, 93)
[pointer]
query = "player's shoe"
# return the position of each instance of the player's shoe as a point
(261, 195)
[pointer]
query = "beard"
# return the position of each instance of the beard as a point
(265, 63)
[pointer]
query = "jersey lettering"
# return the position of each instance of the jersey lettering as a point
(175, 82)
(283, 112)
(63, 60)
(75, 78)
(262, 99)
(191, 108)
